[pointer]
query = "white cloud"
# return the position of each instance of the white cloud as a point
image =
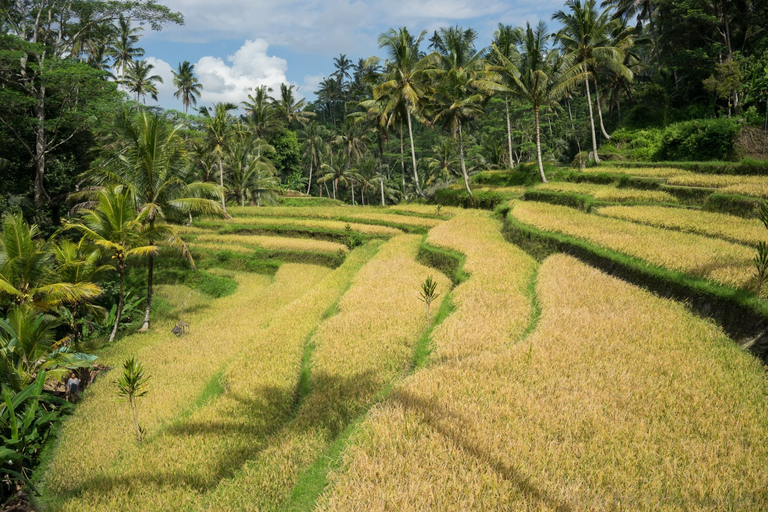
(312, 83)
(227, 81)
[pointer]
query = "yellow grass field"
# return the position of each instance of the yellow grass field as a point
(370, 229)
(362, 213)
(358, 352)
(618, 400)
(609, 193)
(251, 350)
(755, 186)
(492, 306)
(272, 242)
(643, 172)
(718, 260)
(719, 225)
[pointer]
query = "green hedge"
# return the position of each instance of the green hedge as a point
(579, 201)
(689, 195)
(483, 199)
(700, 140)
(732, 204)
(510, 178)
(450, 263)
(741, 314)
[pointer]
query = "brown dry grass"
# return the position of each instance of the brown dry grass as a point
(718, 260)
(618, 400)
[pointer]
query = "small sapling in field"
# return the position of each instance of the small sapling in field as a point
(428, 293)
(131, 385)
(761, 259)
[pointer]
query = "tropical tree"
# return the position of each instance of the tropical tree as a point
(443, 164)
(313, 144)
(403, 81)
(150, 166)
(187, 85)
(540, 78)
(291, 109)
(124, 49)
(29, 275)
(586, 39)
(260, 112)
(218, 124)
(505, 40)
(252, 174)
(139, 80)
(119, 229)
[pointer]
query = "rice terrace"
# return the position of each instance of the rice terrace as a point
(514, 268)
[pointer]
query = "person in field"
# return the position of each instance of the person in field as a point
(73, 388)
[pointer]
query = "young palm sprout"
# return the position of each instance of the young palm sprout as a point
(428, 293)
(131, 385)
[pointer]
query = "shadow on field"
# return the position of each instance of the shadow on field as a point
(451, 425)
(264, 418)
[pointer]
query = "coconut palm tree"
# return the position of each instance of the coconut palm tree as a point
(313, 143)
(140, 80)
(187, 85)
(250, 169)
(118, 228)
(218, 125)
(443, 164)
(541, 77)
(403, 82)
(586, 39)
(29, 273)
(123, 48)
(260, 112)
(291, 109)
(505, 39)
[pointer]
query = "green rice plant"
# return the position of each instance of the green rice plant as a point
(131, 385)
(761, 265)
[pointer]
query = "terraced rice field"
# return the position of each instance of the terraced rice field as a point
(755, 186)
(617, 400)
(541, 386)
(641, 172)
(718, 225)
(609, 193)
(718, 260)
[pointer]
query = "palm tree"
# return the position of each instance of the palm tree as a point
(29, 275)
(586, 38)
(313, 142)
(187, 85)
(292, 109)
(334, 170)
(250, 170)
(149, 167)
(541, 77)
(403, 78)
(218, 125)
(443, 164)
(458, 96)
(123, 48)
(506, 39)
(140, 81)
(118, 228)
(342, 65)
(260, 112)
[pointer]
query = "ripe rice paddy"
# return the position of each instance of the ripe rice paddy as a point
(755, 186)
(609, 193)
(363, 214)
(369, 229)
(617, 400)
(642, 172)
(718, 225)
(269, 242)
(702, 256)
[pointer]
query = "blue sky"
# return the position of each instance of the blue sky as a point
(238, 45)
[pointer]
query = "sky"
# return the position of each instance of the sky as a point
(240, 45)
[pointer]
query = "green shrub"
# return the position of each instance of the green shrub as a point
(700, 140)
(510, 178)
(484, 199)
(641, 145)
(741, 206)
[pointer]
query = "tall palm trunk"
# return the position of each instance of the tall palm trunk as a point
(463, 165)
(538, 144)
(148, 307)
(381, 170)
(221, 183)
(309, 186)
(600, 111)
(402, 160)
(120, 302)
(509, 133)
(591, 120)
(413, 154)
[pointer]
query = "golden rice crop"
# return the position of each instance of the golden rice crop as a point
(211, 246)
(755, 186)
(719, 225)
(718, 260)
(492, 307)
(358, 352)
(643, 172)
(371, 229)
(608, 192)
(180, 370)
(426, 209)
(619, 400)
(273, 242)
(362, 213)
